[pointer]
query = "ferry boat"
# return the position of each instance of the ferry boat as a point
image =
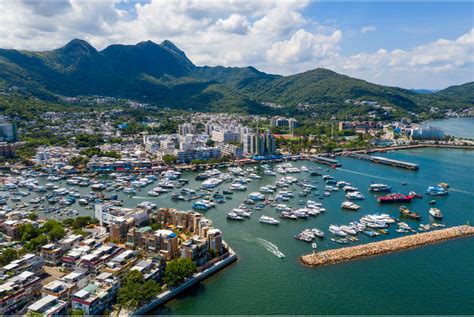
(380, 188)
(406, 212)
(395, 198)
(268, 220)
(435, 213)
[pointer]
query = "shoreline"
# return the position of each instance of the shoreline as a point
(346, 254)
(198, 277)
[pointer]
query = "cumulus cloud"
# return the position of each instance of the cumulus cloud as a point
(275, 36)
(304, 46)
(367, 29)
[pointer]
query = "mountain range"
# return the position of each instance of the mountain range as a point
(163, 75)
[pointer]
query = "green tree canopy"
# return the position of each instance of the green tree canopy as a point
(135, 291)
(178, 270)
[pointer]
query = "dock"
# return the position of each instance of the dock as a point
(386, 246)
(324, 160)
(384, 160)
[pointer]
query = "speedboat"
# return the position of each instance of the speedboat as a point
(318, 233)
(436, 191)
(435, 213)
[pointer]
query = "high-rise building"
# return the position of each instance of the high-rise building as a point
(8, 132)
(186, 128)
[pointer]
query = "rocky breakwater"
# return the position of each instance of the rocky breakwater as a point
(386, 246)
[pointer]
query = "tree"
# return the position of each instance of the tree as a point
(135, 291)
(210, 142)
(178, 270)
(169, 159)
(7, 256)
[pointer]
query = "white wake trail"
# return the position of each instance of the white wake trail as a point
(271, 247)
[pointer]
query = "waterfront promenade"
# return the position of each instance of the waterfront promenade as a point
(386, 246)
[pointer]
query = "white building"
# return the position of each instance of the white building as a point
(225, 136)
(199, 153)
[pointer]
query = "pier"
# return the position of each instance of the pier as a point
(324, 160)
(386, 246)
(384, 160)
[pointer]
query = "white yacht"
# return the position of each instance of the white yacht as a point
(268, 220)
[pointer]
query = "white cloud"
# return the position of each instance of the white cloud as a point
(272, 35)
(367, 29)
(304, 46)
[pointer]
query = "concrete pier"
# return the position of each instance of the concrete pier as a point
(384, 160)
(386, 246)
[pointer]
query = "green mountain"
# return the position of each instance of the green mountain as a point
(162, 74)
(464, 93)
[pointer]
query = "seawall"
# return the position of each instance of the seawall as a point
(386, 246)
(170, 294)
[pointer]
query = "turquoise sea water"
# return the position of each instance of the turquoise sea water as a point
(436, 279)
(460, 127)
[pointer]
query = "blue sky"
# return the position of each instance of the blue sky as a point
(407, 44)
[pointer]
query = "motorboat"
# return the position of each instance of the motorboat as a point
(435, 213)
(355, 196)
(350, 206)
(268, 220)
(380, 188)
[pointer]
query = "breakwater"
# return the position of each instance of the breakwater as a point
(386, 246)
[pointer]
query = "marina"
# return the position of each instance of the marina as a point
(386, 246)
(304, 197)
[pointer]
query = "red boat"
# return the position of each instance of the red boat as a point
(395, 198)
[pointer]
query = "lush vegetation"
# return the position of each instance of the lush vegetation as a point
(161, 74)
(177, 271)
(135, 291)
(7, 256)
(35, 237)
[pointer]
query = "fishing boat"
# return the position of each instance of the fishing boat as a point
(435, 213)
(410, 214)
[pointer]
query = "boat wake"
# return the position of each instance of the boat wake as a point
(145, 197)
(364, 174)
(271, 247)
(460, 191)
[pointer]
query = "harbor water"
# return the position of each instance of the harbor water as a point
(436, 279)
(458, 127)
